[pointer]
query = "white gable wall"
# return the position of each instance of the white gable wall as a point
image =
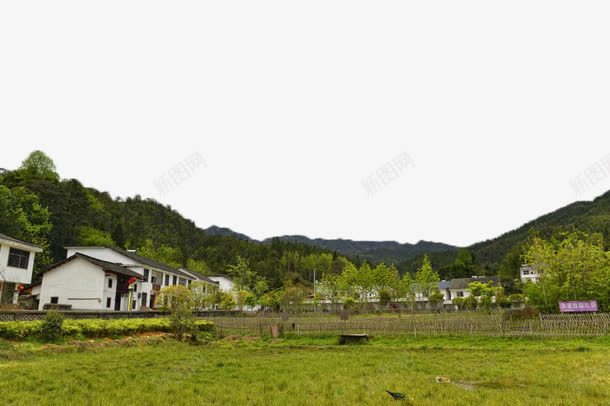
(103, 253)
(11, 274)
(77, 282)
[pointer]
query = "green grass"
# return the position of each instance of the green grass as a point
(313, 371)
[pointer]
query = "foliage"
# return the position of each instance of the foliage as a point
(426, 278)
(51, 327)
(87, 235)
(39, 207)
(93, 328)
(573, 266)
(227, 301)
(40, 165)
(179, 301)
(22, 216)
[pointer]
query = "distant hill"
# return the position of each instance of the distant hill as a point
(226, 232)
(375, 251)
(589, 216)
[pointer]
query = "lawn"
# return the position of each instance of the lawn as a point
(311, 371)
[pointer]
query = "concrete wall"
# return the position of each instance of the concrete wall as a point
(17, 275)
(78, 283)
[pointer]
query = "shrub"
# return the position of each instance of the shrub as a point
(51, 328)
(92, 328)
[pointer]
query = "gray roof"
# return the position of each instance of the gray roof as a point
(198, 275)
(148, 261)
(9, 238)
(105, 265)
(442, 285)
(462, 283)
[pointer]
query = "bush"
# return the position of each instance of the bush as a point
(51, 328)
(91, 328)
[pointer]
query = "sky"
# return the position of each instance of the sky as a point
(442, 121)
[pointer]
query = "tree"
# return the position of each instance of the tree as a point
(39, 164)
(241, 273)
(463, 266)
(426, 278)
(22, 216)
(179, 301)
(87, 235)
(572, 266)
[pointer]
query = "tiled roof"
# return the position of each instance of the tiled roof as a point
(462, 283)
(9, 238)
(105, 265)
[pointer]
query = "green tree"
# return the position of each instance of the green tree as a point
(40, 165)
(426, 278)
(87, 235)
(463, 266)
(572, 266)
(241, 273)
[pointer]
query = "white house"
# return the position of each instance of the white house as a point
(459, 287)
(16, 265)
(153, 275)
(224, 282)
(529, 274)
(87, 283)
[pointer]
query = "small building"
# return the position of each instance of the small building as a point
(529, 274)
(86, 283)
(152, 277)
(459, 287)
(224, 282)
(16, 266)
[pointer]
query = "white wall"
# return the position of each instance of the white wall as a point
(76, 279)
(103, 253)
(17, 275)
(225, 284)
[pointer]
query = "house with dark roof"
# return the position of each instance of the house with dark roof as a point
(82, 290)
(16, 266)
(459, 287)
(86, 283)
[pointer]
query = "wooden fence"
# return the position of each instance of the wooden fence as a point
(545, 326)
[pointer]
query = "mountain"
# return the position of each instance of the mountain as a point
(588, 216)
(226, 232)
(374, 251)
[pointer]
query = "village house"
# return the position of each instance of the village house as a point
(224, 282)
(16, 266)
(529, 274)
(64, 284)
(459, 287)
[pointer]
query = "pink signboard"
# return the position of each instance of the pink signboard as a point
(576, 307)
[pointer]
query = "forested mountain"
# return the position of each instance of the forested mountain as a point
(37, 206)
(501, 255)
(226, 232)
(373, 251)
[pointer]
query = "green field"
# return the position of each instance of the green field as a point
(310, 371)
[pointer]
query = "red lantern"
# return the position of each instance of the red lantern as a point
(132, 280)
(20, 288)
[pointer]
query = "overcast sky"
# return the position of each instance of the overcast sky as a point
(471, 118)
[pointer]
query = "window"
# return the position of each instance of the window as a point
(144, 300)
(18, 258)
(145, 275)
(108, 302)
(166, 280)
(110, 283)
(135, 287)
(460, 294)
(54, 300)
(175, 280)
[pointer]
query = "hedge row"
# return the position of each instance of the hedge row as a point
(94, 328)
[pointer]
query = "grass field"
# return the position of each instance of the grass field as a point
(311, 371)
